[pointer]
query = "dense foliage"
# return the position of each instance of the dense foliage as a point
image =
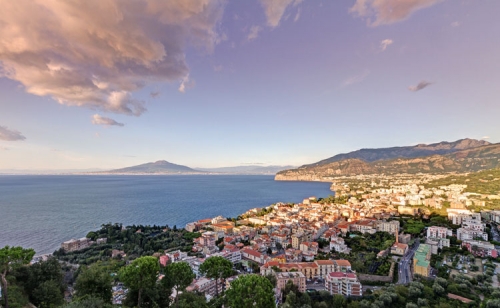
(134, 241)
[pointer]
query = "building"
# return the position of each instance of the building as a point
(471, 234)
(388, 226)
(438, 232)
(421, 260)
(102, 240)
(437, 243)
(399, 249)
(406, 210)
(457, 215)
(206, 286)
(254, 255)
(311, 247)
(339, 245)
(297, 278)
(164, 260)
(363, 226)
(74, 245)
(207, 239)
(325, 267)
(316, 269)
(346, 284)
(480, 248)
(225, 227)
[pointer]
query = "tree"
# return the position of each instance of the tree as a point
(140, 275)
(48, 294)
(12, 257)
(250, 291)
(190, 299)
(88, 302)
(217, 268)
(42, 282)
(179, 276)
(94, 282)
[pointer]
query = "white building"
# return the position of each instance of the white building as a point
(438, 232)
(470, 234)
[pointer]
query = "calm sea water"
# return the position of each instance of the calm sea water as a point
(42, 211)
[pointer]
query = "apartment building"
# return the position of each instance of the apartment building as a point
(471, 234)
(76, 244)
(297, 278)
(388, 226)
(421, 260)
(346, 284)
(438, 232)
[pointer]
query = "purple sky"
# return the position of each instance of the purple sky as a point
(218, 83)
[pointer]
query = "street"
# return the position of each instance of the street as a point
(405, 265)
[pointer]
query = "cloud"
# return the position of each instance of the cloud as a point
(154, 94)
(186, 84)
(218, 68)
(421, 85)
(254, 32)
(455, 24)
(297, 16)
(2, 148)
(274, 10)
(97, 54)
(355, 79)
(7, 134)
(385, 43)
(383, 12)
(100, 120)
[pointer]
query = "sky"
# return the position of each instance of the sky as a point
(210, 83)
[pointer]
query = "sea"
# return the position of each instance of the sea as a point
(42, 211)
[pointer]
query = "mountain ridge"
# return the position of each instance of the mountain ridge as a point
(477, 157)
(371, 154)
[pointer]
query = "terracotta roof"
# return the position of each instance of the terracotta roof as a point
(324, 262)
(342, 262)
(251, 252)
(340, 275)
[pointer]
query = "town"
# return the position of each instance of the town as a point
(372, 234)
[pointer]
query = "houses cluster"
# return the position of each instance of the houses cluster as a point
(284, 239)
(119, 294)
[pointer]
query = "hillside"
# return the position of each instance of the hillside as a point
(483, 182)
(465, 160)
(441, 148)
(158, 167)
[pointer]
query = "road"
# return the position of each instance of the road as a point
(405, 264)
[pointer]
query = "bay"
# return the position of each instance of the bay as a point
(41, 212)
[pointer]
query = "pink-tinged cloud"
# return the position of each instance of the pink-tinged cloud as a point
(254, 32)
(97, 53)
(382, 12)
(100, 120)
(7, 134)
(355, 79)
(274, 10)
(385, 43)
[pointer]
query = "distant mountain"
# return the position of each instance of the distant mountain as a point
(441, 148)
(158, 167)
(460, 156)
(250, 169)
